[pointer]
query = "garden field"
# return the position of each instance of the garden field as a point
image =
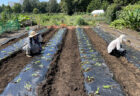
(74, 62)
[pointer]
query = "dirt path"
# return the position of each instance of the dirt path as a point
(124, 72)
(12, 66)
(65, 78)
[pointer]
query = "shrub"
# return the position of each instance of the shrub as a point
(111, 13)
(119, 24)
(35, 11)
(80, 21)
(131, 15)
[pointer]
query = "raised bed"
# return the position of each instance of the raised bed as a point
(132, 54)
(26, 82)
(10, 50)
(98, 79)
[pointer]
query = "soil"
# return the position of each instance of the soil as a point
(65, 77)
(124, 72)
(132, 35)
(11, 67)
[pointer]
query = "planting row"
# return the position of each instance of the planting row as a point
(8, 51)
(132, 54)
(98, 78)
(26, 82)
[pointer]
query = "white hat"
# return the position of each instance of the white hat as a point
(33, 33)
(123, 37)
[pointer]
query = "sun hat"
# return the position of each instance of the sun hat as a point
(33, 33)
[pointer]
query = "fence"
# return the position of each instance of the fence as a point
(9, 26)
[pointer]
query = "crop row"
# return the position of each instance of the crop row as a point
(98, 79)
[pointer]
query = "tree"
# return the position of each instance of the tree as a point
(0, 9)
(66, 6)
(52, 6)
(29, 5)
(94, 4)
(42, 6)
(17, 8)
(35, 11)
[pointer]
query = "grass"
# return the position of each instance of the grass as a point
(58, 19)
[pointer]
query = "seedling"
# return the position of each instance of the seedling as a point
(97, 91)
(41, 65)
(48, 54)
(48, 59)
(87, 69)
(28, 86)
(3, 51)
(37, 62)
(43, 57)
(107, 86)
(35, 74)
(90, 79)
(18, 80)
(98, 64)
(27, 69)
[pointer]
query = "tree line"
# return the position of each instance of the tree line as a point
(65, 6)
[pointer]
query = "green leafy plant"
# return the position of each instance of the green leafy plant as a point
(35, 74)
(107, 86)
(97, 91)
(118, 24)
(18, 80)
(28, 86)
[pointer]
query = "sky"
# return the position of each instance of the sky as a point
(6, 1)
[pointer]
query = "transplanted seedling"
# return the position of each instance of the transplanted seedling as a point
(98, 64)
(97, 92)
(90, 79)
(27, 69)
(48, 54)
(107, 86)
(35, 74)
(3, 51)
(37, 62)
(28, 86)
(41, 65)
(18, 80)
(48, 59)
(87, 69)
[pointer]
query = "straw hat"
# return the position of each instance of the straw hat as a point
(33, 33)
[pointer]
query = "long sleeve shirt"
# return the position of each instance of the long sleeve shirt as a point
(115, 44)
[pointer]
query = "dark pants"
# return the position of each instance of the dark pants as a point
(118, 53)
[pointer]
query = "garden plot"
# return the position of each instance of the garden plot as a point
(98, 78)
(12, 49)
(124, 72)
(26, 82)
(132, 54)
(65, 77)
(11, 66)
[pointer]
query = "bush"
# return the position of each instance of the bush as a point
(80, 21)
(111, 13)
(131, 15)
(35, 11)
(119, 24)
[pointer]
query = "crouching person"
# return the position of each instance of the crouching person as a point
(115, 47)
(33, 44)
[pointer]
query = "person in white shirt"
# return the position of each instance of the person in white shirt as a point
(115, 47)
